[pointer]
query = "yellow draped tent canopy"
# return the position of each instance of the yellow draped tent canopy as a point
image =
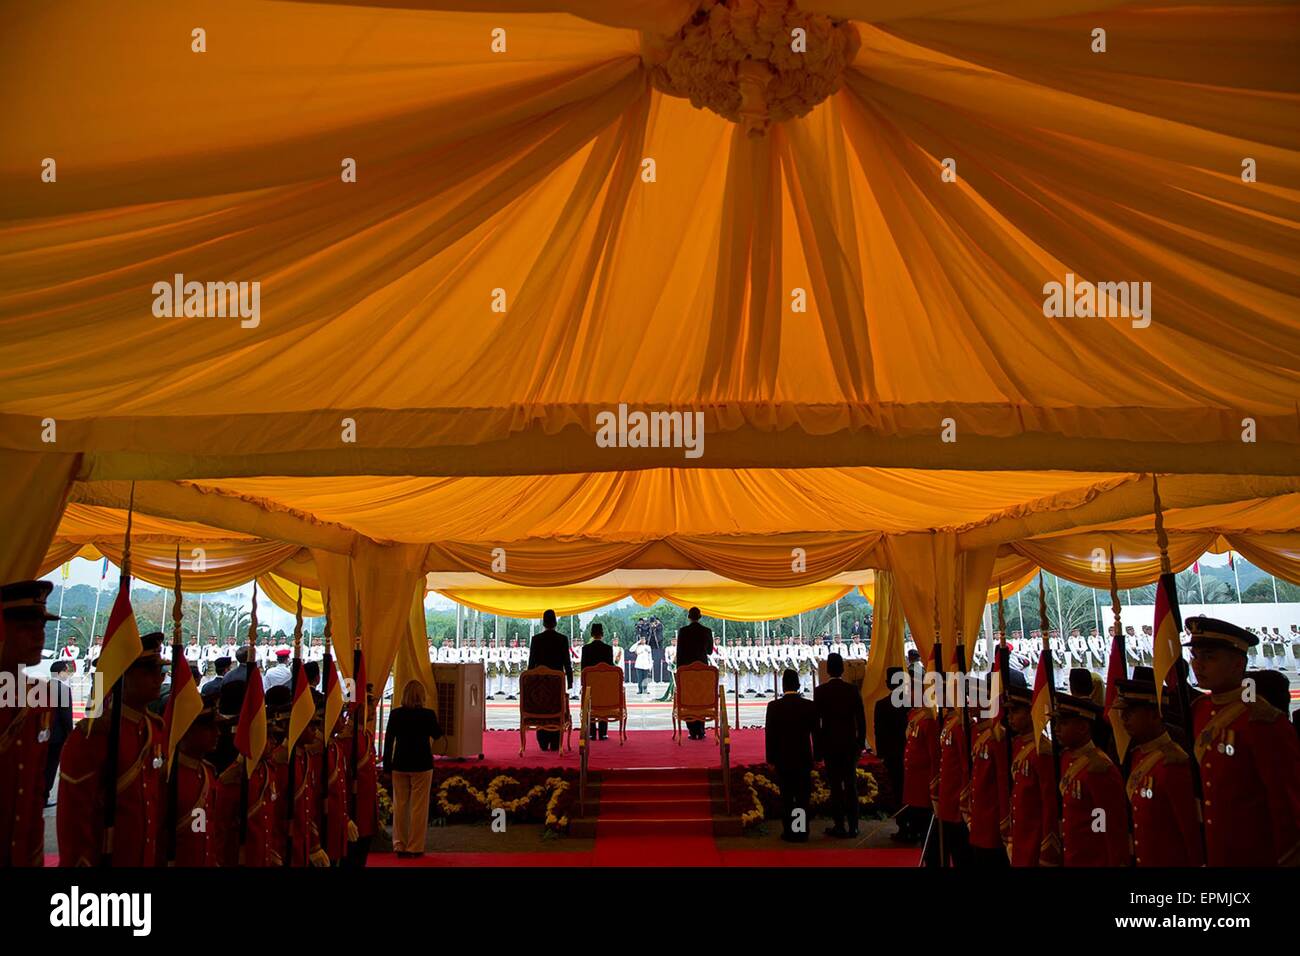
(447, 252)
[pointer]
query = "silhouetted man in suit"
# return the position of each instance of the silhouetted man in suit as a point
(655, 638)
(841, 738)
(596, 651)
(694, 644)
(891, 741)
(550, 648)
(788, 737)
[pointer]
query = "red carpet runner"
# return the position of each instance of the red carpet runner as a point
(661, 817)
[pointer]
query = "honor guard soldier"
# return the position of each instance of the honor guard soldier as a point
(139, 772)
(198, 837)
(365, 779)
(990, 799)
(340, 831)
(954, 787)
(1248, 755)
(1165, 813)
(26, 724)
(254, 848)
(920, 771)
(1094, 816)
(1027, 776)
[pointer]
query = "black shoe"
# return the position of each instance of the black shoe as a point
(836, 831)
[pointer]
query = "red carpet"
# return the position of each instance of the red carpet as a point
(656, 818)
(644, 748)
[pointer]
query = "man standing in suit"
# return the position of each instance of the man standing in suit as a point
(694, 644)
(596, 651)
(550, 648)
(788, 737)
(655, 638)
(841, 738)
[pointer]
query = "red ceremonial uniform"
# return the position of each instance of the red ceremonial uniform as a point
(921, 759)
(989, 789)
(1166, 819)
(1026, 800)
(197, 832)
(24, 747)
(1091, 782)
(954, 778)
(139, 814)
(258, 850)
(336, 804)
(367, 783)
(1250, 769)
(306, 799)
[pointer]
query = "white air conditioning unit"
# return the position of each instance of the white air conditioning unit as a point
(461, 709)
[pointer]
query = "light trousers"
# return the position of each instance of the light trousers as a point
(410, 810)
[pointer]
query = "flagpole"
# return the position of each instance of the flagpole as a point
(293, 699)
(1200, 584)
(58, 625)
(1235, 580)
(1184, 691)
(1051, 703)
(94, 622)
(1020, 610)
(1003, 658)
(115, 716)
(250, 665)
(199, 630)
(178, 661)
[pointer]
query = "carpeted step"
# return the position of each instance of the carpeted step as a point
(622, 792)
(700, 809)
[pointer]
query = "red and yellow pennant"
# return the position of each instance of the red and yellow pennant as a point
(121, 642)
(250, 735)
(183, 705)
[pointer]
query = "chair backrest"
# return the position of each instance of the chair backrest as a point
(542, 694)
(605, 681)
(697, 685)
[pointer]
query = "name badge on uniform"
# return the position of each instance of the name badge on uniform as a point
(43, 736)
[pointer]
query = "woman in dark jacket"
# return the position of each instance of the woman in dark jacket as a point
(408, 753)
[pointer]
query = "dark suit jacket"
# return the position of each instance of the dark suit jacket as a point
(841, 721)
(551, 649)
(694, 644)
(791, 724)
(407, 739)
(596, 652)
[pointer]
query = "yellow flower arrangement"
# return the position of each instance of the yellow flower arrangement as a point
(868, 793)
(477, 801)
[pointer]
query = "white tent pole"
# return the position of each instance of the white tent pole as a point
(199, 630)
(1020, 609)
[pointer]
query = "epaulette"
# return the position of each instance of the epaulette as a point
(1098, 762)
(1262, 712)
(1172, 753)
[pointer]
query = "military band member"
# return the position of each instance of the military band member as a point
(305, 818)
(1090, 783)
(139, 771)
(198, 841)
(1027, 775)
(857, 650)
(365, 814)
(26, 725)
(1248, 755)
(990, 799)
(193, 653)
(448, 653)
(1165, 814)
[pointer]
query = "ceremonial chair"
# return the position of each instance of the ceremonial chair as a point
(543, 704)
(607, 700)
(695, 697)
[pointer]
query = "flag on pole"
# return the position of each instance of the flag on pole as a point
(333, 696)
(1041, 706)
(1231, 563)
(121, 641)
(1196, 567)
(303, 708)
(250, 734)
(183, 704)
(66, 570)
(103, 570)
(1167, 648)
